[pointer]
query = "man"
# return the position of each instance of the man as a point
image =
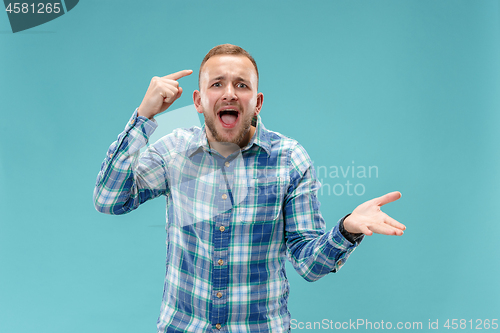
(240, 200)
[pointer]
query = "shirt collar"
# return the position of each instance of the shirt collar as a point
(261, 138)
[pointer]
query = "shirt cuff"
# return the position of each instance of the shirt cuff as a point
(148, 125)
(353, 238)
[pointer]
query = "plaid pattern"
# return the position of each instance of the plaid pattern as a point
(231, 224)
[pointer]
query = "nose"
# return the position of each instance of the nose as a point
(229, 93)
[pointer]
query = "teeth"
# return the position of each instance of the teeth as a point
(228, 110)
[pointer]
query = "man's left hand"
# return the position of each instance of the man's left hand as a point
(367, 218)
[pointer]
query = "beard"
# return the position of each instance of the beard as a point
(246, 123)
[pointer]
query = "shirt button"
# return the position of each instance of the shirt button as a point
(224, 196)
(222, 228)
(220, 262)
(226, 164)
(132, 121)
(218, 326)
(219, 294)
(110, 155)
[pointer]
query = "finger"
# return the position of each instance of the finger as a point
(178, 75)
(168, 92)
(392, 222)
(171, 100)
(169, 82)
(385, 229)
(364, 229)
(389, 197)
(179, 93)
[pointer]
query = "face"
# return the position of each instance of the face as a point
(228, 98)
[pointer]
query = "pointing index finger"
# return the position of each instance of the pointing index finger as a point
(178, 75)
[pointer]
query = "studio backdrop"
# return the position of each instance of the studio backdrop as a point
(385, 95)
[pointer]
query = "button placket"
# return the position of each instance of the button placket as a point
(220, 274)
(221, 233)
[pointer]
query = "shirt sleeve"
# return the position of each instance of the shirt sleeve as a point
(312, 251)
(127, 179)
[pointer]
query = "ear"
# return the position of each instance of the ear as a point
(197, 101)
(260, 101)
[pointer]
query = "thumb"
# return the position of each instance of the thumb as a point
(167, 105)
(179, 93)
(389, 197)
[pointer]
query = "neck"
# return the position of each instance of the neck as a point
(227, 148)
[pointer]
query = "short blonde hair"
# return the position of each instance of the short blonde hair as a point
(227, 49)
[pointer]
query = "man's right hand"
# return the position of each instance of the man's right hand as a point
(162, 92)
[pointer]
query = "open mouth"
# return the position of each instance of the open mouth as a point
(228, 117)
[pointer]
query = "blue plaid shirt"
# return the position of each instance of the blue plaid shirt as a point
(231, 223)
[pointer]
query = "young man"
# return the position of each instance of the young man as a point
(240, 200)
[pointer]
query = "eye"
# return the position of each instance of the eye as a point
(241, 85)
(217, 84)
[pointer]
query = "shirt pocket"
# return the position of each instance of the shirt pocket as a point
(263, 201)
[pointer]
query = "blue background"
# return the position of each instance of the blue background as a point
(411, 87)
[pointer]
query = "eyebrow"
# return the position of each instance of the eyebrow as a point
(222, 77)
